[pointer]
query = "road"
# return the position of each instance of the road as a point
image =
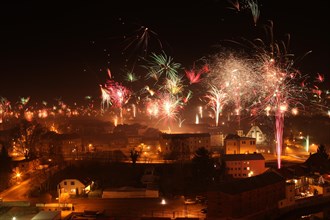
(20, 191)
(17, 192)
(139, 207)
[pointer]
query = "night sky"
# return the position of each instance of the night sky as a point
(52, 49)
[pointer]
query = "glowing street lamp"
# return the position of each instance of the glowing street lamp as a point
(17, 175)
(307, 142)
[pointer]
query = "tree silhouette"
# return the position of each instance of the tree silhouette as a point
(134, 154)
(5, 166)
(321, 150)
(202, 166)
(27, 134)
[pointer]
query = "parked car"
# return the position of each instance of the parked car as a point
(200, 199)
(189, 201)
(204, 210)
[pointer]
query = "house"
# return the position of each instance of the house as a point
(244, 165)
(247, 196)
(74, 187)
(234, 144)
(256, 132)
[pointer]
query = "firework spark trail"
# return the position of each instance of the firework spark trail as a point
(106, 102)
(164, 106)
(168, 96)
(139, 41)
(234, 4)
(194, 75)
(216, 98)
(115, 93)
(4, 108)
(174, 85)
(131, 77)
(169, 106)
(253, 5)
(279, 122)
(283, 87)
(161, 64)
(236, 76)
(281, 92)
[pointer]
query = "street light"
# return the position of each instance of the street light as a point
(163, 203)
(307, 142)
(18, 175)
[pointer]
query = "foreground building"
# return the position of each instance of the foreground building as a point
(248, 196)
(244, 165)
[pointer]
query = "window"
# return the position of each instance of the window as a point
(65, 183)
(72, 183)
(243, 142)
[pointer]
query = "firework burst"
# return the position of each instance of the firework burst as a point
(217, 99)
(161, 64)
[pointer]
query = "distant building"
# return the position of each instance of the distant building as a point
(255, 132)
(70, 145)
(235, 144)
(244, 197)
(133, 141)
(105, 142)
(244, 165)
(217, 139)
(184, 144)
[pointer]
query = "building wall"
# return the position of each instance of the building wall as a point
(222, 205)
(255, 132)
(71, 147)
(185, 145)
(244, 169)
(240, 146)
(217, 140)
(247, 146)
(289, 196)
(145, 193)
(231, 147)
